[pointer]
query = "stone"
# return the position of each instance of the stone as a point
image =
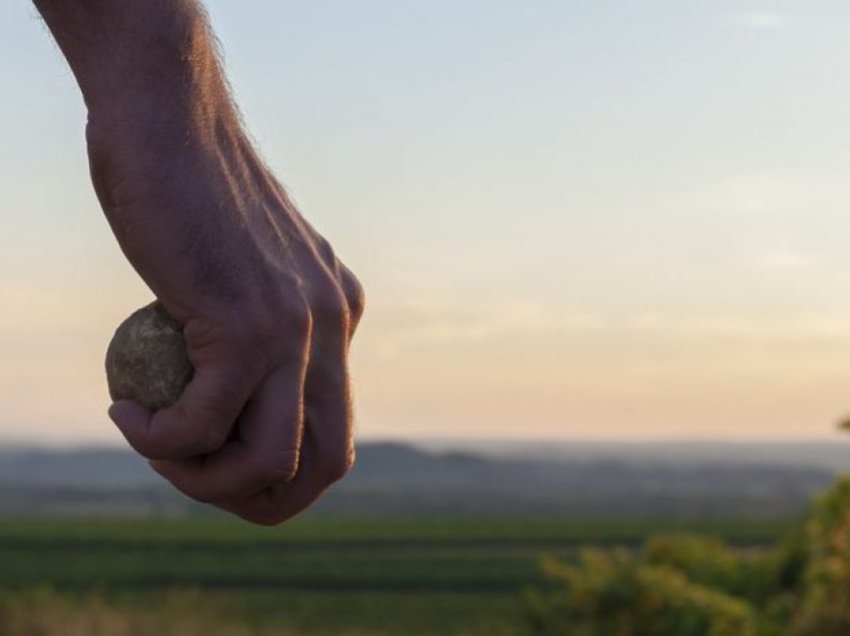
(147, 361)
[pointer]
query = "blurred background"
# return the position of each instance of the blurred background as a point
(604, 248)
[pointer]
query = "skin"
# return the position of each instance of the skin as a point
(268, 309)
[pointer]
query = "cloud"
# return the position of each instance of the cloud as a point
(760, 20)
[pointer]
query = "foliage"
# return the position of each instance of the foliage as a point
(825, 595)
(614, 594)
(689, 585)
(703, 560)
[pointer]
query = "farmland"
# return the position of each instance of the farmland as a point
(317, 575)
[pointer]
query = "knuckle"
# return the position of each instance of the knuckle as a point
(355, 295)
(213, 438)
(336, 466)
(331, 308)
(277, 468)
(288, 314)
(325, 250)
(328, 302)
(296, 318)
(266, 514)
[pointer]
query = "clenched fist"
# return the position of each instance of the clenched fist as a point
(268, 310)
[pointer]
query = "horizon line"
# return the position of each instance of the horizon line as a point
(495, 443)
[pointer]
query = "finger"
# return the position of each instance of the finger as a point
(265, 451)
(327, 393)
(200, 421)
(281, 502)
(329, 416)
(354, 296)
(328, 448)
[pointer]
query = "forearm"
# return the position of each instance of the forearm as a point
(133, 58)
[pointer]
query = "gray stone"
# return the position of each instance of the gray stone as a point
(146, 361)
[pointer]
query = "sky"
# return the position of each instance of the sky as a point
(596, 220)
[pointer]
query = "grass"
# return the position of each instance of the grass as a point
(315, 576)
(44, 613)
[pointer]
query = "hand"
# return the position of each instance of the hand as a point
(269, 311)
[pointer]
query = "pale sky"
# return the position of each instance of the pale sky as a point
(588, 219)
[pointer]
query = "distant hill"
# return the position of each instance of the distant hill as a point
(833, 455)
(397, 479)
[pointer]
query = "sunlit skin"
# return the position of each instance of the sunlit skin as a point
(269, 311)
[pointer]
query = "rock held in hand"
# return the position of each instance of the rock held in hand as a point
(146, 361)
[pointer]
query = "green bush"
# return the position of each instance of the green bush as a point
(695, 586)
(703, 560)
(615, 594)
(824, 606)
(752, 575)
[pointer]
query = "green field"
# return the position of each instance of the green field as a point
(323, 576)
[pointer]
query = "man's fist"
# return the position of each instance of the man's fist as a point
(267, 309)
